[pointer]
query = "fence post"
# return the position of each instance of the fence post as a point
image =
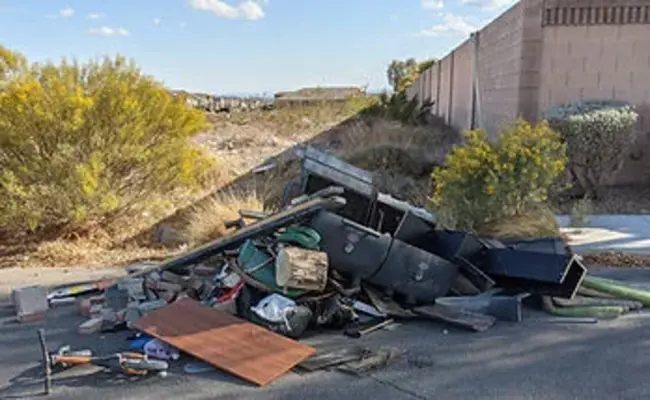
(477, 109)
(450, 108)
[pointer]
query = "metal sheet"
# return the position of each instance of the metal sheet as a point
(224, 341)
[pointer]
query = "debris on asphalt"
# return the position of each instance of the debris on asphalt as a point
(457, 316)
(30, 303)
(227, 342)
(327, 358)
(338, 256)
(371, 361)
(128, 363)
(361, 330)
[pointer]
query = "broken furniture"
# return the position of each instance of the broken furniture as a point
(365, 205)
(539, 266)
(380, 259)
(502, 306)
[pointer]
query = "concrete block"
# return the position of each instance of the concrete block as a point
(30, 302)
(134, 288)
(116, 298)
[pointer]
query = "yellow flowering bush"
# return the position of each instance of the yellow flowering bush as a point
(484, 181)
(85, 142)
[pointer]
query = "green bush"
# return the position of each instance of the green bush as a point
(484, 182)
(598, 134)
(399, 107)
(82, 143)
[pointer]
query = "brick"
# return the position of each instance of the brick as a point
(85, 305)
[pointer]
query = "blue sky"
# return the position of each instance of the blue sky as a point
(254, 47)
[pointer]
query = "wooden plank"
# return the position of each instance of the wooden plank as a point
(224, 341)
(324, 359)
(458, 317)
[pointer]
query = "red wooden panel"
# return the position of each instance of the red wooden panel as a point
(224, 341)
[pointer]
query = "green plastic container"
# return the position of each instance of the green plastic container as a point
(259, 265)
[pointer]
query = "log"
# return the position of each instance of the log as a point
(300, 268)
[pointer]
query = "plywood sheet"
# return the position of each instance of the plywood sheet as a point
(224, 341)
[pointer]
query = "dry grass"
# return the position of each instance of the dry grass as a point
(535, 224)
(401, 156)
(289, 121)
(206, 220)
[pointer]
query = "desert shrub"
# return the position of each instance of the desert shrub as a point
(82, 143)
(483, 182)
(399, 107)
(598, 134)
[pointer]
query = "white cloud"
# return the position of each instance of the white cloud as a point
(95, 16)
(157, 21)
(488, 4)
(66, 12)
(249, 9)
(433, 4)
(108, 31)
(451, 25)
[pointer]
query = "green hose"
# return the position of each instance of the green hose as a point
(600, 312)
(580, 301)
(617, 289)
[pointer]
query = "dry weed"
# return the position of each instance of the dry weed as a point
(536, 223)
(86, 253)
(401, 156)
(206, 220)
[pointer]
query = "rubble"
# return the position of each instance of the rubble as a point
(339, 255)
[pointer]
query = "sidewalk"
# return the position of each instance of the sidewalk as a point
(619, 233)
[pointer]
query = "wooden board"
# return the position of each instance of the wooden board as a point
(329, 358)
(224, 341)
(456, 316)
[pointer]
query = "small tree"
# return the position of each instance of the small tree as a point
(81, 143)
(598, 134)
(401, 74)
(483, 182)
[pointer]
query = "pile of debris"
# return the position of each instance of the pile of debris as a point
(339, 255)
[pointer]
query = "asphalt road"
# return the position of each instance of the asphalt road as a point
(536, 359)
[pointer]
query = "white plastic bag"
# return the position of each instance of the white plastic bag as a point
(160, 350)
(274, 308)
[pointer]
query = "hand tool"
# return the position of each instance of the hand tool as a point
(129, 363)
(358, 332)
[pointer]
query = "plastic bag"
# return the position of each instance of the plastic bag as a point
(274, 308)
(157, 349)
